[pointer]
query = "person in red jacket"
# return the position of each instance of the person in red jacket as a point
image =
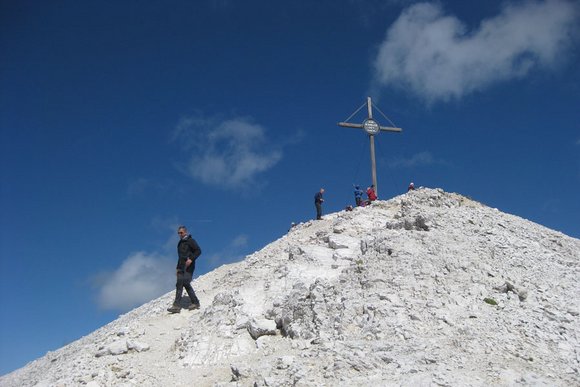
(371, 194)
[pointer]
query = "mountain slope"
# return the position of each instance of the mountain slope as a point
(398, 293)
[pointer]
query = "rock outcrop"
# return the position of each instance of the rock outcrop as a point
(428, 288)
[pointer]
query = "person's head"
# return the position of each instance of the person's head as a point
(182, 231)
(356, 187)
(321, 190)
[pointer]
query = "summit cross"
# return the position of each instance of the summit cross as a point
(372, 127)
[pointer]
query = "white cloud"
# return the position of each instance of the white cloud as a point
(229, 154)
(418, 159)
(434, 56)
(140, 278)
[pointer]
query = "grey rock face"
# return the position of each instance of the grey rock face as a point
(391, 294)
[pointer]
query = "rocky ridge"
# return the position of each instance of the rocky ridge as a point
(428, 288)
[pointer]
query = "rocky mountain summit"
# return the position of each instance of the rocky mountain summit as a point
(428, 288)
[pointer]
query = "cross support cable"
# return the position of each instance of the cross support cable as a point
(372, 128)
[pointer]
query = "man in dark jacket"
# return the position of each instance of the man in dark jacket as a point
(187, 251)
(318, 203)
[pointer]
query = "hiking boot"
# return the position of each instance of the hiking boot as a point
(193, 306)
(174, 309)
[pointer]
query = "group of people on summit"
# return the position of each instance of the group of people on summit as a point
(358, 194)
(358, 198)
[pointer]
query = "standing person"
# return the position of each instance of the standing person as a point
(371, 194)
(187, 252)
(358, 193)
(318, 203)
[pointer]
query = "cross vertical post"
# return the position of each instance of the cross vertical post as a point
(372, 127)
(372, 141)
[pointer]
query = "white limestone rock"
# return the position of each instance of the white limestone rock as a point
(137, 346)
(261, 327)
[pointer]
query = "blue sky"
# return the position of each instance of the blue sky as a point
(120, 120)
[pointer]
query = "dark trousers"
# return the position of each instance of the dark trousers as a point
(318, 210)
(184, 281)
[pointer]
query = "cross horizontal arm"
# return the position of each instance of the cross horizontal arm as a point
(359, 126)
(390, 129)
(349, 125)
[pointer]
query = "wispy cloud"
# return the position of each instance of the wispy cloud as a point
(229, 153)
(232, 252)
(416, 160)
(434, 55)
(140, 278)
(240, 241)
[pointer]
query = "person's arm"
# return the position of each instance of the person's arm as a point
(195, 249)
(195, 252)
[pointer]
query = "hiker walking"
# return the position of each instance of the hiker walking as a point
(187, 252)
(318, 203)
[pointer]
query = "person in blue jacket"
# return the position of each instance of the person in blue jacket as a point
(358, 193)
